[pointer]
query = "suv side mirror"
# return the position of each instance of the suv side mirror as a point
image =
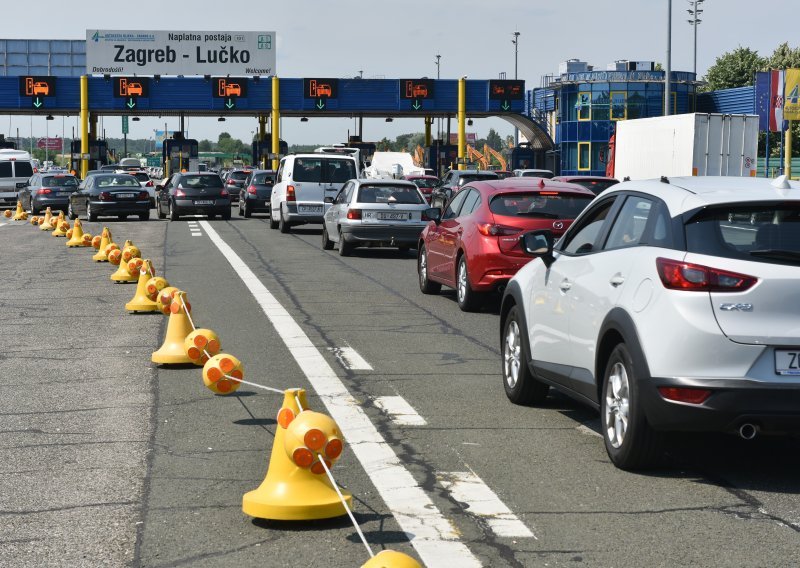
(328, 199)
(538, 243)
(159, 187)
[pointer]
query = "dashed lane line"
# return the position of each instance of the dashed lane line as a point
(399, 411)
(467, 487)
(350, 359)
(435, 538)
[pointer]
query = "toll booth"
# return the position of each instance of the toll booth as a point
(367, 148)
(98, 154)
(264, 149)
(179, 153)
(441, 157)
(7, 144)
(524, 157)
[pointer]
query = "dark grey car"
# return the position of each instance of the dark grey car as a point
(455, 180)
(234, 182)
(110, 195)
(48, 190)
(193, 194)
(254, 197)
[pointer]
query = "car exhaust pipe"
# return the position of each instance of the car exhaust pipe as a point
(501, 288)
(748, 431)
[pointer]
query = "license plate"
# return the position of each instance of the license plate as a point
(393, 216)
(313, 209)
(204, 202)
(126, 195)
(787, 362)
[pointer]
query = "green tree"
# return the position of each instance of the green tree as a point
(734, 69)
(204, 146)
(784, 57)
(494, 140)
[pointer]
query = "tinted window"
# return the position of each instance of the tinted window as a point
(5, 169)
(308, 169)
(238, 176)
(581, 237)
(339, 171)
(389, 194)
(426, 183)
(471, 202)
(534, 204)
(116, 181)
(597, 186)
(263, 179)
(546, 175)
(455, 205)
(141, 176)
(465, 179)
(760, 232)
(59, 181)
(200, 182)
(23, 169)
(629, 225)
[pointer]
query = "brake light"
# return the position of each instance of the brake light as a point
(149, 184)
(690, 395)
(105, 196)
(354, 214)
(290, 193)
(251, 190)
(548, 193)
(676, 275)
(231, 182)
(180, 193)
(224, 193)
(43, 191)
(144, 195)
(490, 230)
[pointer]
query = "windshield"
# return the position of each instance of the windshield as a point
(210, 181)
(595, 186)
(239, 176)
(534, 204)
(758, 232)
(59, 181)
(389, 194)
(537, 173)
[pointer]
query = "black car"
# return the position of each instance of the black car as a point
(254, 195)
(234, 182)
(48, 190)
(455, 180)
(110, 195)
(193, 194)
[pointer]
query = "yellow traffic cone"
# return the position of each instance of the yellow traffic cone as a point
(123, 274)
(391, 559)
(61, 229)
(140, 302)
(45, 225)
(105, 240)
(77, 235)
(171, 351)
(201, 344)
(296, 487)
(20, 215)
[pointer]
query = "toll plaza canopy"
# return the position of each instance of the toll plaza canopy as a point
(306, 97)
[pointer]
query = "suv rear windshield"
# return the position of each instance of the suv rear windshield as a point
(534, 204)
(59, 181)
(768, 232)
(389, 194)
(198, 181)
(323, 170)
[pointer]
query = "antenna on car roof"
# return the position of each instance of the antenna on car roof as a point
(664, 179)
(626, 178)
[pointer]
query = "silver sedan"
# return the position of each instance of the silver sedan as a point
(377, 212)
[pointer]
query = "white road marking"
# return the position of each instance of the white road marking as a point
(350, 359)
(434, 537)
(399, 410)
(3, 224)
(466, 487)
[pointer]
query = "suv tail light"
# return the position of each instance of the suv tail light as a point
(180, 193)
(690, 395)
(251, 190)
(105, 196)
(44, 191)
(290, 193)
(354, 214)
(224, 193)
(677, 275)
(144, 195)
(491, 230)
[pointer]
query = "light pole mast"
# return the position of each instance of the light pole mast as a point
(668, 71)
(515, 41)
(694, 12)
(439, 120)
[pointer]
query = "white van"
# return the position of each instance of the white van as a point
(343, 150)
(305, 186)
(16, 168)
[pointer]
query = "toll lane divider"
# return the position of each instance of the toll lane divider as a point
(306, 443)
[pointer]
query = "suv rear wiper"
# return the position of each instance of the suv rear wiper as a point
(777, 254)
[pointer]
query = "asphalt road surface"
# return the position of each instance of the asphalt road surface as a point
(107, 459)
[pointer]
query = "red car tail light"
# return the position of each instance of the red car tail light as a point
(144, 195)
(676, 275)
(354, 214)
(491, 230)
(43, 191)
(149, 184)
(690, 395)
(251, 190)
(105, 196)
(231, 182)
(224, 193)
(180, 193)
(290, 193)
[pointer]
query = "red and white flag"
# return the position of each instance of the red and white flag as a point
(776, 101)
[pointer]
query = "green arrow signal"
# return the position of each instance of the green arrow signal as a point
(505, 105)
(230, 104)
(131, 103)
(320, 104)
(37, 103)
(416, 105)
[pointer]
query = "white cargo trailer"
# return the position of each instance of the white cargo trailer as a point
(686, 145)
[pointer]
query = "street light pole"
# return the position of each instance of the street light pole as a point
(694, 12)
(438, 120)
(515, 41)
(668, 71)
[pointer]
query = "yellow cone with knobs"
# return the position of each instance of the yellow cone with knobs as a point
(105, 240)
(77, 235)
(154, 286)
(391, 559)
(220, 373)
(45, 224)
(140, 302)
(296, 487)
(123, 274)
(61, 229)
(202, 344)
(179, 326)
(165, 297)
(20, 214)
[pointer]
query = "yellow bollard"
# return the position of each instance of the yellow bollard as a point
(20, 214)
(123, 274)
(105, 240)
(171, 351)
(45, 225)
(296, 487)
(391, 559)
(77, 235)
(140, 302)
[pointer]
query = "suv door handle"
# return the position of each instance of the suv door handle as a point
(617, 280)
(565, 285)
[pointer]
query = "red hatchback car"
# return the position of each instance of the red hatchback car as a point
(474, 245)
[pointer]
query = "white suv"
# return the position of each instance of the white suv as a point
(668, 305)
(305, 186)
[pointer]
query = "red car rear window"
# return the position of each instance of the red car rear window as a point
(534, 204)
